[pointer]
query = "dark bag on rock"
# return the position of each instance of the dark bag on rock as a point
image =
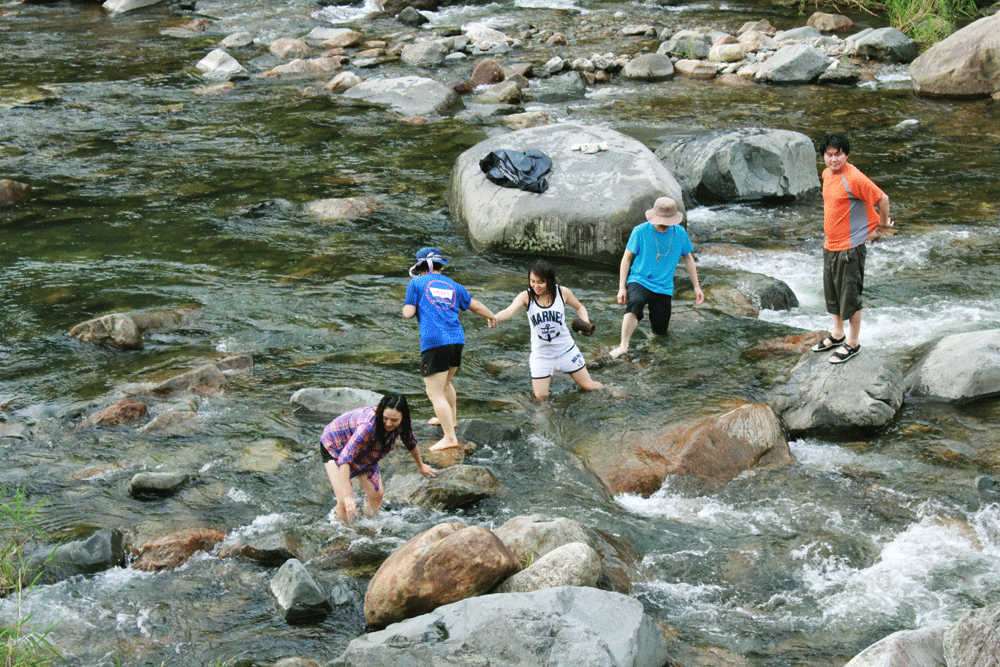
(516, 169)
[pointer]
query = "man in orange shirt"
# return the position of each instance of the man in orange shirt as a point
(853, 207)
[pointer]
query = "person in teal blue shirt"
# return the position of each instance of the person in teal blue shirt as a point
(646, 275)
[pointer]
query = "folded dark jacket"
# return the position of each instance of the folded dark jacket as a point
(517, 169)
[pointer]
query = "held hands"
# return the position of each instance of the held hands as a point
(491, 322)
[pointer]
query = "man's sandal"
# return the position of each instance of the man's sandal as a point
(828, 343)
(849, 351)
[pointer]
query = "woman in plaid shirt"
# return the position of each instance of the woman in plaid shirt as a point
(355, 442)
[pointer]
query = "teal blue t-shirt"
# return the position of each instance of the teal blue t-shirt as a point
(656, 256)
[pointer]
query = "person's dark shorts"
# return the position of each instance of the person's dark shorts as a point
(844, 280)
(659, 307)
(440, 359)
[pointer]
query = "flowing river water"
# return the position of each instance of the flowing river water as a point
(150, 197)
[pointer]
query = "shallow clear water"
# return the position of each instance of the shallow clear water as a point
(149, 196)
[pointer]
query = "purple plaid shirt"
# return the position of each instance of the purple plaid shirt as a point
(350, 439)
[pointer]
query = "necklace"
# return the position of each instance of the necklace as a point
(657, 242)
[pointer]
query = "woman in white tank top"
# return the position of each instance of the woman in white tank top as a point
(552, 344)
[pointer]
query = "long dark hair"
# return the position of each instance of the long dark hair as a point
(543, 270)
(396, 402)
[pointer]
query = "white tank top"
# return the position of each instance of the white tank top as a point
(550, 337)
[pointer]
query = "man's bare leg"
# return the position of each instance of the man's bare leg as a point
(629, 323)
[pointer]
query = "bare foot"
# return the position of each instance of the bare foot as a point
(617, 352)
(443, 443)
(434, 421)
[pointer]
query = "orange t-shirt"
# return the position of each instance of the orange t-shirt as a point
(849, 214)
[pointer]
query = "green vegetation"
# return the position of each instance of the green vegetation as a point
(21, 645)
(924, 21)
(928, 21)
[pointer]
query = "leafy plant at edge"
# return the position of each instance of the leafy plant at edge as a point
(21, 645)
(924, 21)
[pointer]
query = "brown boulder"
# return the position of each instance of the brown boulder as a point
(206, 380)
(445, 564)
(116, 330)
(125, 411)
(174, 549)
(715, 449)
(830, 22)
(486, 72)
(964, 64)
(12, 192)
(344, 40)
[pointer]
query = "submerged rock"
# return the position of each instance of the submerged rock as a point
(101, 551)
(12, 192)
(456, 487)
(333, 401)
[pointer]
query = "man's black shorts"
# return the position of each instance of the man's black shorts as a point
(659, 307)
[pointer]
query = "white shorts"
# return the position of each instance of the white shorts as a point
(569, 361)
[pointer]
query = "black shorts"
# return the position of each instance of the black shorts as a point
(440, 359)
(659, 307)
(844, 280)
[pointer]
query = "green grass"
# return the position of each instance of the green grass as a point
(923, 21)
(21, 644)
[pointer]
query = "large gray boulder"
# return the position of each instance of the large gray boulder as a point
(974, 640)
(886, 44)
(557, 627)
(592, 203)
(742, 165)
(862, 394)
(965, 64)
(913, 648)
(795, 64)
(408, 96)
(959, 368)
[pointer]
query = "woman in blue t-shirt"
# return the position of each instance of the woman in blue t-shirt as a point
(436, 300)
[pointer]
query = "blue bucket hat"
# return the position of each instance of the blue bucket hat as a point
(428, 256)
